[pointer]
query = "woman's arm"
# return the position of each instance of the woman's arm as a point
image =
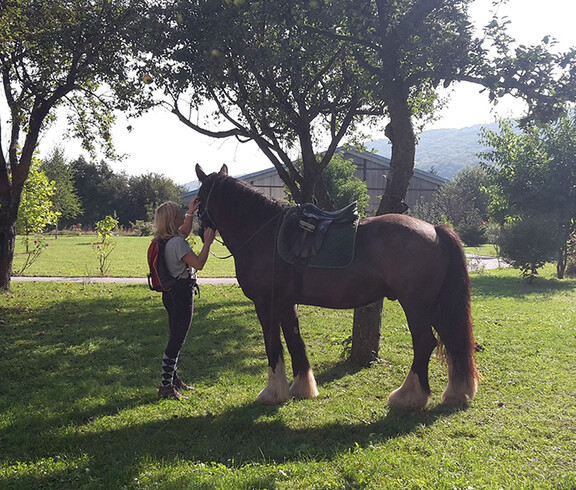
(198, 261)
(186, 227)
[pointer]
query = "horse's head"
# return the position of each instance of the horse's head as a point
(204, 195)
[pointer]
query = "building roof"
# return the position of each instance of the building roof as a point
(373, 157)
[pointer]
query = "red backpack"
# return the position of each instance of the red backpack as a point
(159, 279)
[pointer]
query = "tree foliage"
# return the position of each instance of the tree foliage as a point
(36, 208)
(273, 68)
(66, 200)
(463, 203)
(130, 198)
(270, 79)
(102, 191)
(145, 193)
(342, 185)
(533, 177)
(77, 54)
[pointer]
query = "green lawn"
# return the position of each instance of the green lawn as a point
(74, 256)
(78, 408)
(487, 250)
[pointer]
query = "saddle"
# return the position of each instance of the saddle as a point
(313, 237)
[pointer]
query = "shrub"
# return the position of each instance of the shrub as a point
(472, 229)
(106, 245)
(571, 260)
(142, 228)
(528, 244)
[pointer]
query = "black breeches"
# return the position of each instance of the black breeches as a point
(179, 303)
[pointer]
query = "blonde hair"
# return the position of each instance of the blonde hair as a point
(165, 220)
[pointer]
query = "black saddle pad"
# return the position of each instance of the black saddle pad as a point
(336, 250)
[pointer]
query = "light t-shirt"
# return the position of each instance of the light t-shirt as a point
(176, 248)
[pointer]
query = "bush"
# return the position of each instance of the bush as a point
(571, 260)
(528, 244)
(142, 228)
(472, 229)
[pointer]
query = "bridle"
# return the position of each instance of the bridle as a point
(205, 214)
(206, 221)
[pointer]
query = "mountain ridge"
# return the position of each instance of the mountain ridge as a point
(442, 151)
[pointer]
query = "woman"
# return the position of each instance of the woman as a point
(173, 225)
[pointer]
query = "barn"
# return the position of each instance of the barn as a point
(370, 168)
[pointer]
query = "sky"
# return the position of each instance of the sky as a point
(159, 143)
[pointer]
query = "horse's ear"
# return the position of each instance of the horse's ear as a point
(200, 173)
(224, 170)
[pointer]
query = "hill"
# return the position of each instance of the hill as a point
(444, 150)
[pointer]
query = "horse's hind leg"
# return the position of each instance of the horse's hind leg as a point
(415, 391)
(304, 384)
(459, 347)
(276, 391)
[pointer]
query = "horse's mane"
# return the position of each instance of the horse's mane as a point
(246, 203)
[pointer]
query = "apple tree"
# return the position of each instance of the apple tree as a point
(74, 54)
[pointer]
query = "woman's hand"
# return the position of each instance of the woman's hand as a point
(209, 235)
(194, 204)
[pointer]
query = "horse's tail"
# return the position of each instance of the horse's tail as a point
(453, 321)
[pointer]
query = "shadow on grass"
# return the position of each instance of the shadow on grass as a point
(240, 435)
(510, 286)
(75, 369)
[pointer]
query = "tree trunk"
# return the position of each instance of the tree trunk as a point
(10, 195)
(366, 334)
(367, 319)
(562, 261)
(8, 215)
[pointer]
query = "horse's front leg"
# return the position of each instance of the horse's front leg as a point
(304, 384)
(276, 391)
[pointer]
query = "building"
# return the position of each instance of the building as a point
(371, 168)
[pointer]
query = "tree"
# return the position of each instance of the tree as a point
(54, 53)
(342, 185)
(65, 200)
(533, 178)
(410, 48)
(462, 202)
(145, 193)
(528, 243)
(36, 207)
(241, 57)
(102, 192)
(342, 61)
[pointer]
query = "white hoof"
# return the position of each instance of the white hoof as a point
(304, 386)
(410, 395)
(460, 393)
(276, 391)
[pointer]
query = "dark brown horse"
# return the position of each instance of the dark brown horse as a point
(396, 256)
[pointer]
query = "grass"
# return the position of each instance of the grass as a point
(486, 250)
(81, 363)
(74, 256)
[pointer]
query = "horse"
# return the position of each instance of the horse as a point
(396, 257)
